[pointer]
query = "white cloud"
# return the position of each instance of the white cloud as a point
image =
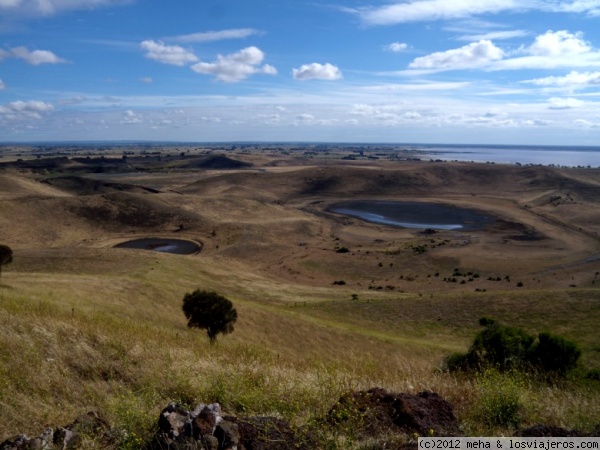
(426, 10)
(548, 51)
(168, 54)
(2, 85)
(236, 66)
(317, 71)
(146, 80)
(474, 55)
(571, 80)
(429, 10)
(565, 103)
(30, 109)
(131, 118)
(210, 36)
(559, 43)
(51, 7)
(36, 57)
(396, 47)
(493, 35)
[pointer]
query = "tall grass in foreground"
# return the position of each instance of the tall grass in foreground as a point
(56, 363)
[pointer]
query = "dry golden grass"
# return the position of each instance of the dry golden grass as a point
(86, 326)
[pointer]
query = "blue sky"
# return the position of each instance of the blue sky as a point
(421, 71)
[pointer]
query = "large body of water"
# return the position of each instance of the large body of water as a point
(513, 154)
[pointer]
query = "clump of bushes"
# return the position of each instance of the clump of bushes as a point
(507, 348)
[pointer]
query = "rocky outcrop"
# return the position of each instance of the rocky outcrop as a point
(376, 414)
(64, 438)
(204, 428)
(378, 411)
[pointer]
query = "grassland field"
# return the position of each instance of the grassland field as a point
(85, 326)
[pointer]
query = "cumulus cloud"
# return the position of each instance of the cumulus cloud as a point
(553, 49)
(317, 71)
(35, 57)
(476, 54)
(558, 43)
(236, 66)
(396, 47)
(210, 36)
(31, 109)
(168, 54)
(34, 8)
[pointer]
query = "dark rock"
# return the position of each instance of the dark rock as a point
(269, 433)
(210, 442)
(205, 419)
(228, 435)
(20, 442)
(66, 439)
(549, 431)
(172, 420)
(378, 411)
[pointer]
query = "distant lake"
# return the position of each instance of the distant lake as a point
(512, 154)
(164, 245)
(415, 214)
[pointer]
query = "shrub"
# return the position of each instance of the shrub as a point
(554, 354)
(505, 348)
(500, 346)
(210, 311)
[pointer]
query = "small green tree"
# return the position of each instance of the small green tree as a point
(210, 311)
(6, 256)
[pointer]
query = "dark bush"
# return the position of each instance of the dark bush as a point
(506, 348)
(6, 256)
(554, 354)
(501, 346)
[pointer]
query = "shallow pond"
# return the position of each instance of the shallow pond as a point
(164, 245)
(415, 214)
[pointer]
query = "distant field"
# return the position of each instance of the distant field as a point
(326, 303)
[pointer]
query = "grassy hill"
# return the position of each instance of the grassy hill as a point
(86, 326)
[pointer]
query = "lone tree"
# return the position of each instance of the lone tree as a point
(6, 256)
(210, 311)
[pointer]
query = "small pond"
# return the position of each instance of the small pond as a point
(164, 245)
(415, 214)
